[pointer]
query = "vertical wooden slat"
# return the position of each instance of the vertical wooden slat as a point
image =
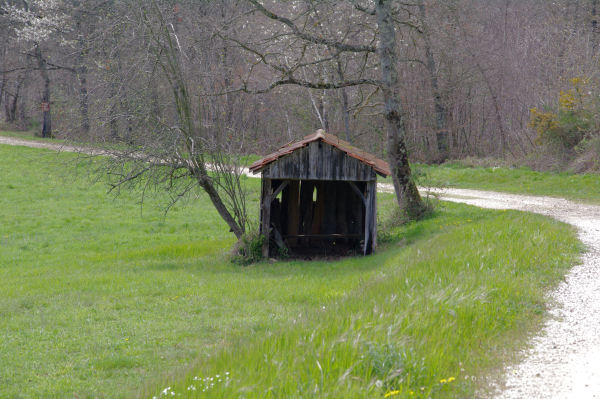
(318, 211)
(293, 209)
(370, 217)
(306, 205)
(265, 228)
(374, 182)
(329, 210)
(343, 194)
(284, 209)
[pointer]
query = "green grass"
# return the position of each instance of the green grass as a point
(101, 300)
(580, 187)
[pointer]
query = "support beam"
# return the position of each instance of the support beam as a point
(281, 187)
(265, 214)
(370, 218)
(358, 192)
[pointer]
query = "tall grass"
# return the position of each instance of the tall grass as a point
(439, 312)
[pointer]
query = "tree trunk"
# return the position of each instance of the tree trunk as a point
(11, 100)
(2, 86)
(345, 110)
(441, 133)
(22, 107)
(83, 92)
(205, 182)
(47, 118)
(407, 194)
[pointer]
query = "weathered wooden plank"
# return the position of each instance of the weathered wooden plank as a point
(342, 192)
(279, 188)
(370, 218)
(357, 210)
(319, 161)
(325, 236)
(265, 225)
(318, 208)
(329, 211)
(374, 206)
(307, 188)
(358, 192)
(293, 209)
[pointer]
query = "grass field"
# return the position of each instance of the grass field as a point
(100, 299)
(579, 187)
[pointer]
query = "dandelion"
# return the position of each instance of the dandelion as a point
(391, 393)
(447, 380)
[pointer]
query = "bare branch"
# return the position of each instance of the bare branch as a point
(311, 38)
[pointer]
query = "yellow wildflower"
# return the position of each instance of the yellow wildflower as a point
(391, 393)
(566, 99)
(447, 380)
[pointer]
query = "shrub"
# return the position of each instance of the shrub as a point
(574, 120)
(248, 249)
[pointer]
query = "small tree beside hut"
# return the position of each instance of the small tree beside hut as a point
(319, 196)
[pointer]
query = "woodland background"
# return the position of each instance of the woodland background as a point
(510, 80)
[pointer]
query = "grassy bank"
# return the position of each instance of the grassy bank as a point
(579, 187)
(101, 299)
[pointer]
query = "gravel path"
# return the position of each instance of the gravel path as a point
(563, 361)
(36, 144)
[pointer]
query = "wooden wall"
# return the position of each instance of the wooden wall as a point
(319, 216)
(319, 161)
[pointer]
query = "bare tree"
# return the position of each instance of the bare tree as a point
(36, 22)
(175, 149)
(364, 38)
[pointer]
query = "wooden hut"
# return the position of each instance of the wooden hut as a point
(319, 196)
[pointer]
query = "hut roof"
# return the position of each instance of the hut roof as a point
(379, 165)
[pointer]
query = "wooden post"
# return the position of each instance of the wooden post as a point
(374, 245)
(370, 218)
(265, 213)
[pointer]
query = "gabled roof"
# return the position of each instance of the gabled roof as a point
(379, 165)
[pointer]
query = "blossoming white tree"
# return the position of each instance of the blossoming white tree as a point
(37, 22)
